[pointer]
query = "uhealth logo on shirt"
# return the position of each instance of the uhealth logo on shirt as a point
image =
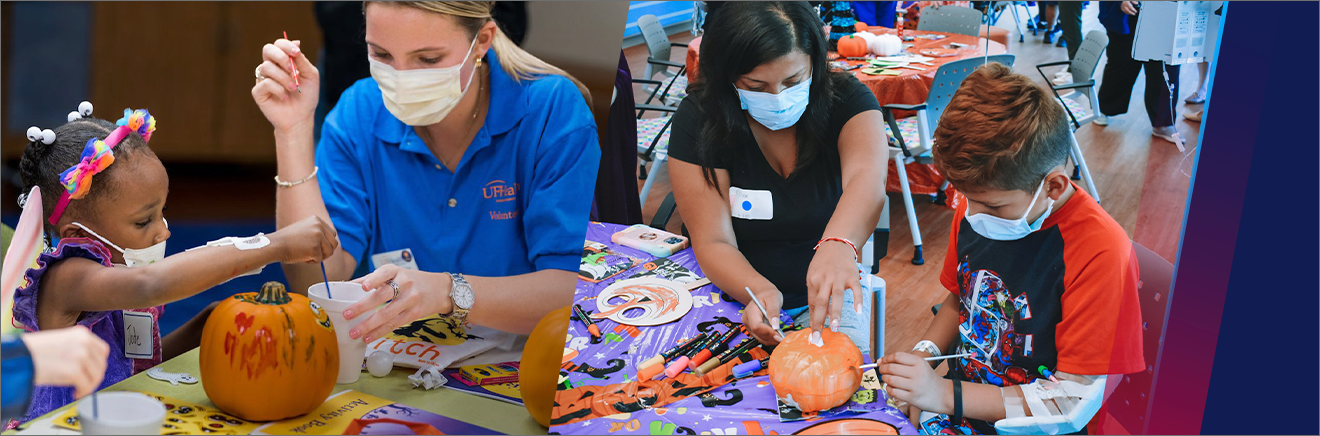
(501, 192)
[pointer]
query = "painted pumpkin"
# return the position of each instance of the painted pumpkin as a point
(816, 378)
(852, 46)
(268, 355)
(539, 370)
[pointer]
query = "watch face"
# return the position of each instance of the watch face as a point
(463, 298)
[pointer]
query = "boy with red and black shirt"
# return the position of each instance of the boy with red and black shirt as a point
(1043, 282)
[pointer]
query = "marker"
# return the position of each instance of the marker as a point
(1047, 373)
(677, 367)
(744, 370)
(591, 325)
(715, 345)
(774, 322)
(928, 359)
(649, 372)
(293, 66)
(727, 356)
(660, 359)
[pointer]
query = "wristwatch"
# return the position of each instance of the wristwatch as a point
(929, 347)
(462, 296)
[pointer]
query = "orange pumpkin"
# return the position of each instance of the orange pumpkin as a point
(852, 46)
(816, 378)
(861, 27)
(538, 375)
(268, 355)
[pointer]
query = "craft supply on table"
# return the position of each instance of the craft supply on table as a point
(428, 378)
(439, 340)
(172, 377)
(586, 320)
(490, 374)
(643, 302)
(650, 240)
(178, 417)
(509, 392)
(599, 262)
(727, 356)
(380, 363)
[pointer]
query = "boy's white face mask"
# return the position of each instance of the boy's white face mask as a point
(1000, 229)
(421, 97)
(134, 257)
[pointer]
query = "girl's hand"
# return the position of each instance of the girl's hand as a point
(833, 269)
(308, 240)
(759, 327)
(279, 99)
(911, 379)
(71, 356)
(420, 294)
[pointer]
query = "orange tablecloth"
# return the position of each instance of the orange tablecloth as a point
(912, 86)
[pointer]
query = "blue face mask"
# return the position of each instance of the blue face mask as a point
(776, 111)
(1000, 229)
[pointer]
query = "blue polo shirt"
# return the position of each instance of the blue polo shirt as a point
(518, 202)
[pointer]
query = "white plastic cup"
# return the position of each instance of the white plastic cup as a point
(121, 413)
(352, 352)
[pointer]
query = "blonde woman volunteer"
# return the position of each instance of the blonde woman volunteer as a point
(463, 157)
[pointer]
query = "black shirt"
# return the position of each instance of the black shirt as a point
(779, 248)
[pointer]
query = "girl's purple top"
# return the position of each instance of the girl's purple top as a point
(108, 325)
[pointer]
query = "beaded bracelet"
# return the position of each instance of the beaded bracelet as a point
(856, 253)
(284, 184)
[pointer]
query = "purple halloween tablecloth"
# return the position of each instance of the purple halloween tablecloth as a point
(606, 367)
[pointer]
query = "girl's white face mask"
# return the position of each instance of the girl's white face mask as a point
(134, 257)
(421, 97)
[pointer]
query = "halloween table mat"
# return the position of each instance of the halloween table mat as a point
(495, 415)
(601, 393)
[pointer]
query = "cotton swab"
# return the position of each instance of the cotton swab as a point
(928, 360)
(774, 322)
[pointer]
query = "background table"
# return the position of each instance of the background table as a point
(605, 396)
(492, 414)
(912, 86)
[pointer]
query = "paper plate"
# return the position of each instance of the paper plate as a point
(660, 301)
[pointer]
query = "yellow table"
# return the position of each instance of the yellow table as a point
(495, 415)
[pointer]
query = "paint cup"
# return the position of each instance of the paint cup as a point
(352, 352)
(121, 413)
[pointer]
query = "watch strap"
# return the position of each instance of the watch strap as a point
(459, 313)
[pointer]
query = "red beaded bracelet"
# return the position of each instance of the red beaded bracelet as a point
(856, 254)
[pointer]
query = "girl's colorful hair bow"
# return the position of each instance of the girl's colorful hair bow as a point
(139, 121)
(96, 157)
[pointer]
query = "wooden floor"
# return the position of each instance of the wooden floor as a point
(1142, 181)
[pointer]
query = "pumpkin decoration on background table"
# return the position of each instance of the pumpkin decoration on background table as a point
(538, 373)
(852, 46)
(268, 355)
(860, 26)
(816, 378)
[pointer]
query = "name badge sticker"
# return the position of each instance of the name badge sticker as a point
(138, 335)
(401, 258)
(751, 204)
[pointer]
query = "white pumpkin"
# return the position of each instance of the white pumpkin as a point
(868, 36)
(885, 45)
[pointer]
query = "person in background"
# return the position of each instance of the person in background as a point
(71, 356)
(876, 13)
(1045, 23)
(778, 167)
(1120, 74)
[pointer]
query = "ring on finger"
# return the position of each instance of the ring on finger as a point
(394, 285)
(258, 73)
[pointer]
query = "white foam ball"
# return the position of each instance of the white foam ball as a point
(379, 363)
(885, 45)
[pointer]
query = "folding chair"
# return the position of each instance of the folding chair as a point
(1083, 68)
(951, 19)
(652, 134)
(947, 80)
(657, 62)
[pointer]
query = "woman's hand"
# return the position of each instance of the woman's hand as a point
(420, 294)
(278, 97)
(911, 379)
(759, 327)
(310, 239)
(71, 356)
(833, 269)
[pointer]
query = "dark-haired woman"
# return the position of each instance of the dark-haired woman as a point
(778, 166)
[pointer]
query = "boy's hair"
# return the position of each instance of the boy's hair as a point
(42, 164)
(1000, 131)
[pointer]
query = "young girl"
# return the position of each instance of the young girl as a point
(103, 192)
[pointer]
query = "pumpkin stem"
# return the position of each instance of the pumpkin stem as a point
(273, 293)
